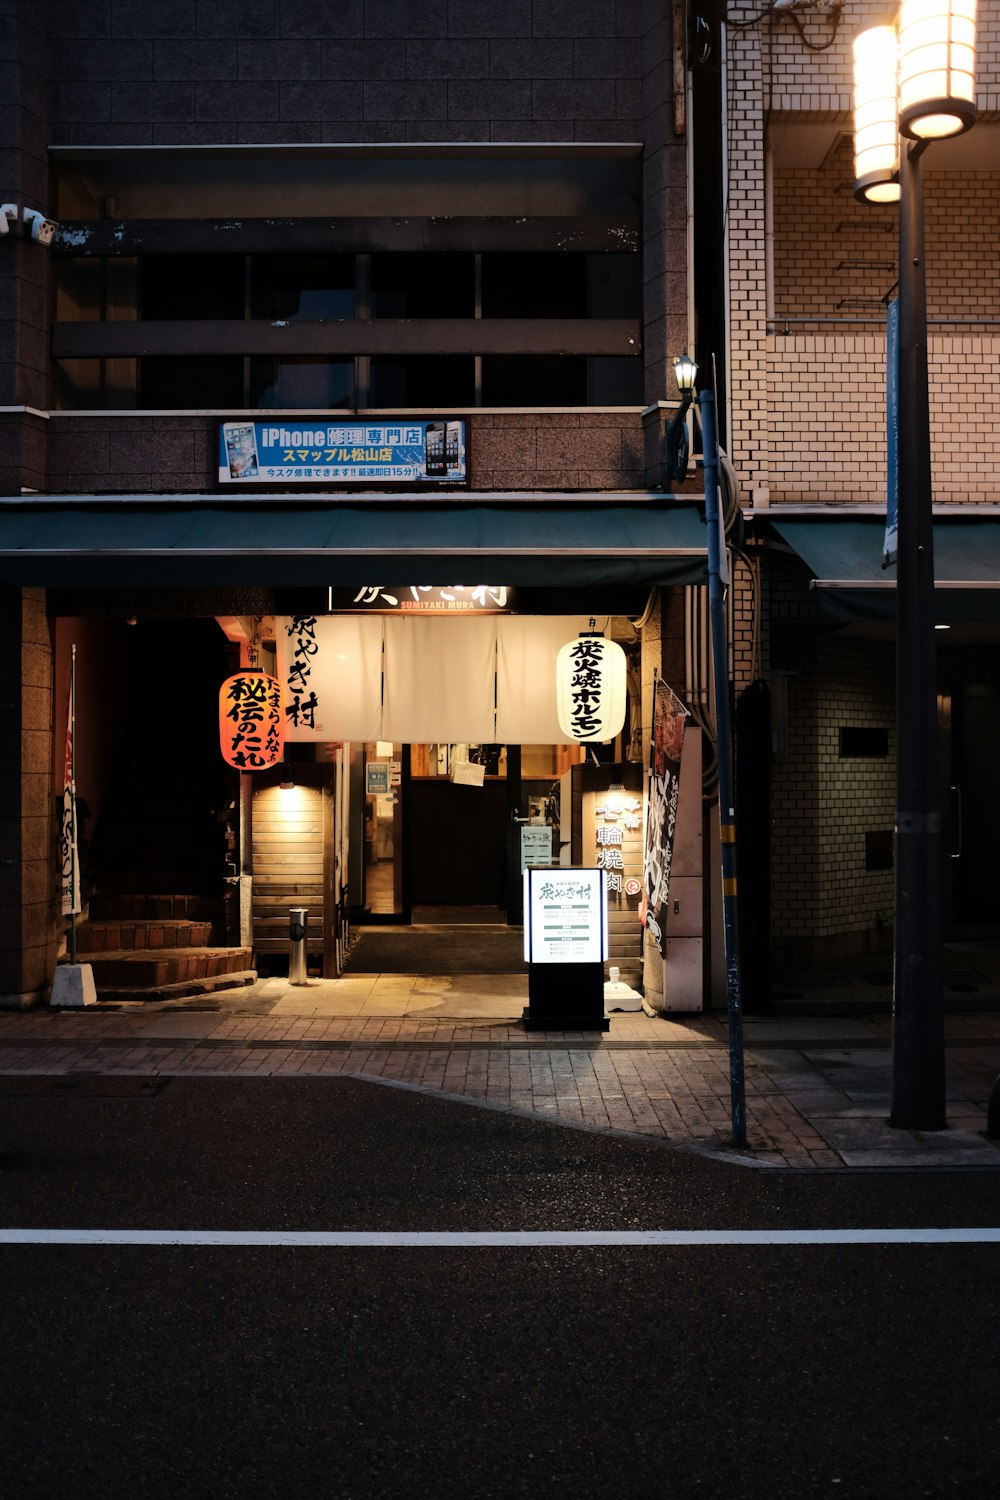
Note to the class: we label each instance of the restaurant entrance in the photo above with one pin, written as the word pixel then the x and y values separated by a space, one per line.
pixel 442 827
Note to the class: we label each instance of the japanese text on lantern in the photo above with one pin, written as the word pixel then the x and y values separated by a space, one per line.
pixel 301 701
pixel 250 728
pixel 586 688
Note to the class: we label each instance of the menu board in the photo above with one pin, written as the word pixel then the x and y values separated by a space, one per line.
pixel 565 916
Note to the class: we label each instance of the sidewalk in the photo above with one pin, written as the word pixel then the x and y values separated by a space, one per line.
pixel 817 1087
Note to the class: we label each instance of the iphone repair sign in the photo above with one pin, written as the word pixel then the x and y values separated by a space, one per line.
pixel 307 451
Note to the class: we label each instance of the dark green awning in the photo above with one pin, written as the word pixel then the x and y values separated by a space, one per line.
pixel 846 558
pixel 289 541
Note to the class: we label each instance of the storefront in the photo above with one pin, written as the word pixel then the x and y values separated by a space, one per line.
pixel 424 736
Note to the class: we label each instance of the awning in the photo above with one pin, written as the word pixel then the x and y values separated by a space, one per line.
pixel 846 558
pixel 290 541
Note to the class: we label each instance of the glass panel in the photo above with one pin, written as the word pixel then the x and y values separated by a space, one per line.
pixel 79 384
pixel 79 289
pixel 614 380
pixel 383 841
pixel 301 382
pixel 182 382
pixel 535 380
pixel 302 286
pixel 424 381
pixel 191 286
pixel 548 285
pixel 438 760
pixel 423 286
pixel 534 286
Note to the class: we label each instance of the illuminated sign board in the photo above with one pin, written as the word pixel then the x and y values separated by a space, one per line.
pixel 536 845
pixel 423 598
pixel 565 916
pixel 304 450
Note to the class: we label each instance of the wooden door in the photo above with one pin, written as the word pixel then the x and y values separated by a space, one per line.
pixel 294 859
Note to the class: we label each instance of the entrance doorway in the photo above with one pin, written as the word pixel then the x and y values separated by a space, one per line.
pixel 441 828
pixel 969 719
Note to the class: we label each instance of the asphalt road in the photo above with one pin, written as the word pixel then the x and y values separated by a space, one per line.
pixel 488 1372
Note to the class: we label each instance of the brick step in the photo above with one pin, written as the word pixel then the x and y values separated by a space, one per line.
pixel 109 906
pixel 111 936
pixel 125 970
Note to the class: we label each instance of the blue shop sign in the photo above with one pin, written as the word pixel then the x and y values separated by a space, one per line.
pixel 307 451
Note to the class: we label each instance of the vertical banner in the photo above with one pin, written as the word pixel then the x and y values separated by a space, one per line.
pixel 330 672
pixel 69 858
pixel 666 744
pixel 891 432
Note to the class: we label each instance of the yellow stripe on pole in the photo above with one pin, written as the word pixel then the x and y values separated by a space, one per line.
pixel 728 832
pixel 729 886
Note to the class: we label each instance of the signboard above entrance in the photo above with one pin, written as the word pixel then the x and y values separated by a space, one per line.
pixel 424 598
pixel 307 451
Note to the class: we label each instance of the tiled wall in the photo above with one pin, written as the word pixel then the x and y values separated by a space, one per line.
pixel 808 403
pixel 824 804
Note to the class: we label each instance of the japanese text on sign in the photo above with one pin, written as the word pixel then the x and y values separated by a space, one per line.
pixel 262 453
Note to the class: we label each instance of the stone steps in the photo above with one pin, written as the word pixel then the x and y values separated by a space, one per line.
pixel 134 971
pixel 109 906
pixel 113 935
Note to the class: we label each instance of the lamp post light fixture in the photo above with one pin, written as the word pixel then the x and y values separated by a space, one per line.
pixel 677 447
pixel 918 80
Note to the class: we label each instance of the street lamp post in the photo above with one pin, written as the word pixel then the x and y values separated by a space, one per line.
pixel 685 373
pixel 918 80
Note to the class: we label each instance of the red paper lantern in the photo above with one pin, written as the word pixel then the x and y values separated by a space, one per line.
pixel 251 732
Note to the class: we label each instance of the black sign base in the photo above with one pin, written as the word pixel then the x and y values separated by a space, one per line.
pixel 565 997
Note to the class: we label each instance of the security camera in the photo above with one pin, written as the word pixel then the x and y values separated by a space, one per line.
pixel 8 216
pixel 39 227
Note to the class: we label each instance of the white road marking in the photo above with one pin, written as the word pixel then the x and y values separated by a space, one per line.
pixel 514 1239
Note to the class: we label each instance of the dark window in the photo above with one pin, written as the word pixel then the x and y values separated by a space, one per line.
pixel 302 286
pixel 534 286
pixel 425 380
pixel 861 741
pixel 539 285
pixel 423 286
pixel 191 286
pixel 878 849
pixel 614 380
pixel 614 286
pixel 171 381
pixel 301 382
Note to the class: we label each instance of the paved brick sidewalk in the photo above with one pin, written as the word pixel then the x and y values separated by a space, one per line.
pixel 817 1088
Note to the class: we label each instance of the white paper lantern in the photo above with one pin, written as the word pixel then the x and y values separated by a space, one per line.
pixel 591 691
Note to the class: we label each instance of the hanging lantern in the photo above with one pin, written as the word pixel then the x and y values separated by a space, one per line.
pixel 590 688
pixel 251 733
